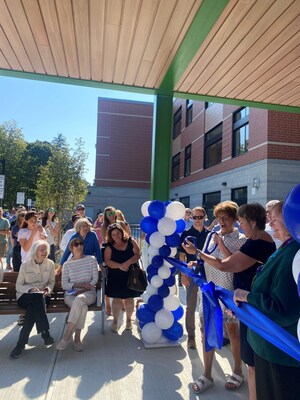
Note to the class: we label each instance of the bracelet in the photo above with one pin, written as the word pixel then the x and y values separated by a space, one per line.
pixel 198 254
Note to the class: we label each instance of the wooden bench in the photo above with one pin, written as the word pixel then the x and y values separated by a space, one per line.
pixel 9 306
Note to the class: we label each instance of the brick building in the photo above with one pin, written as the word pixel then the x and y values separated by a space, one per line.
pixel 219 152
pixel 225 152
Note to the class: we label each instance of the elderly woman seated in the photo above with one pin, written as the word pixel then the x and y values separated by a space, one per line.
pixel 79 277
pixel 34 284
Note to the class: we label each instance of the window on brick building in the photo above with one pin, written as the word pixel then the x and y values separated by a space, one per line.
pixel 239 195
pixel 208 104
pixel 175 168
pixel 240 132
pixel 189 112
pixel 213 147
pixel 185 201
pixel 187 160
pixel 209 201
pixel 177 123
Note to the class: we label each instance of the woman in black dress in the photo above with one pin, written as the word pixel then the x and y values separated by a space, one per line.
pixel 119 254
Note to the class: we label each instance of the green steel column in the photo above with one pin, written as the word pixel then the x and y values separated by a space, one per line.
pixel 161 146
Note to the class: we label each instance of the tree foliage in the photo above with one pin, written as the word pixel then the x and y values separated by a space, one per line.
pixel 49 172
pixel 61 183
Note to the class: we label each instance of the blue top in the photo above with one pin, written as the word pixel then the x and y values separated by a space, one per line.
pixel 90 248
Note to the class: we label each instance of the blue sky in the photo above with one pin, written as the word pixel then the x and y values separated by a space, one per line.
pixel 42 110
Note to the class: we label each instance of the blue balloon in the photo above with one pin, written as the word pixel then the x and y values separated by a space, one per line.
pixel 291 214
pixel 173 240
pixel 173 270
pixel 170 281
pixel 145 314
pixel 148 225
pixel 157 261
pixel 155 302
pixel 156 209
pixel 141 325
pixel 150 276
pixel 174 333
pixel 180 225
pixel 167 203
pixel 164 251
pixel 147 238
pixel 163 291
pixel 151 270
pixel 178 313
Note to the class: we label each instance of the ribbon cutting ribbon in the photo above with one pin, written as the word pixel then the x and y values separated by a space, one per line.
pixel 249 315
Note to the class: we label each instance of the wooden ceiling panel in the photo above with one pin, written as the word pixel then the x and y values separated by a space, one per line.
pixel 219 35
pixel 97 14
pixel 66 26
pixel 144 25
pixel 9 59
pixel 273 39
pixel 3 63
pixel 20 20
pixel 49 15
pixel 13 37
pixel 177 26
pixel 82 36
pixel 34 17
pixel 130 15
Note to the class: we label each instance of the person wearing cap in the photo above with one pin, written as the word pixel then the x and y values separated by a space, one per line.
pixel 70 232
pixel 80 210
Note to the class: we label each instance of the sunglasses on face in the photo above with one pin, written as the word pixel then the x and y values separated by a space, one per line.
pixel 110 213
pixel 76 244
pixel 198 216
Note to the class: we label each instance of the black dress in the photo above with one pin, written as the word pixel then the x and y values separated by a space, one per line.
pixel 259 250
pixel 117 279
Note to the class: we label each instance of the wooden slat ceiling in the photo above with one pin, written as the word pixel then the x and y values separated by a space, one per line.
pixel 250 53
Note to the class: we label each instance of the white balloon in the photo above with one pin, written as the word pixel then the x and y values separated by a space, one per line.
pixel 164 272
pixel 175 210
pixel 157 240
pixel 173 289
pixel 151 333
pixel 296 266
pixel 151 290
pixel 167 264
pixel 144 208
pixel 166 226
pixel 298 330
pixel 156 281
pixel 152 251
pixel 145 296
pixel 173 251
pixel 164 319
pixel 163 339
pixel 171 302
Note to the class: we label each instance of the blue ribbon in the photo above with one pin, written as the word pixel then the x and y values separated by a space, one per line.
pixel 249 315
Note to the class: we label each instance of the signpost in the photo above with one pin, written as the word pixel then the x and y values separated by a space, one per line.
pixel 2 183
pixel 20 197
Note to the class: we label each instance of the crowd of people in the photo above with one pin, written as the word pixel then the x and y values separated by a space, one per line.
pixel 236 251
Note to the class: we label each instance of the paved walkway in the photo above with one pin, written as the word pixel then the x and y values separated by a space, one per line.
pixel 112 366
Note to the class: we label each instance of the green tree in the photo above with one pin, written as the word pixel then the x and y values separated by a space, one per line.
pixel 60 182
pixel 12 150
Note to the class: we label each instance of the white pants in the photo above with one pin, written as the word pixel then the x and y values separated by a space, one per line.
pixel 79 307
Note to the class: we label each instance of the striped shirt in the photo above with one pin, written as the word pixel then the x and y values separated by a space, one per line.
pixel 83 270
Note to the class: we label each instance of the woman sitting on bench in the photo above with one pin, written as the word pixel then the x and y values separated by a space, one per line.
pixel 34 284
pixel 79 277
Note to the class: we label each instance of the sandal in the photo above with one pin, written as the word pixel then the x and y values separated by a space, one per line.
pixel 21 320
pixel 234 381
pixel 202 384
pixel 128 325
pixel 62 344
pixel 114 327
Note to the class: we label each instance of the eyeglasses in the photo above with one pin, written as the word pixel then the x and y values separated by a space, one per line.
pixel 76 244
pixel 188 212
pixel 223 219
pixel 80 209
pixel 110 213
pixel 198 216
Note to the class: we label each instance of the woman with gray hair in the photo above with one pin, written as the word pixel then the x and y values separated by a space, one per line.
pixel 34 285
pixel 79 277
pixel 91 245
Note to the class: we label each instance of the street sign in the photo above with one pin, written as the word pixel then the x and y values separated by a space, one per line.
pixel 29 201
pixel 20 197
pixel 2 183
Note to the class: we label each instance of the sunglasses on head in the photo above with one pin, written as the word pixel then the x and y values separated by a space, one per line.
pixel 76 244
pixel 198 216
pixel 110 213
pixel 51 209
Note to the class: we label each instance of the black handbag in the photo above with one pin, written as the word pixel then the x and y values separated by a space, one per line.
pixel 137 279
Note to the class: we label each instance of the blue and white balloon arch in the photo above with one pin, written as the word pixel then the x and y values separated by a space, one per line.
pixel 159 315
